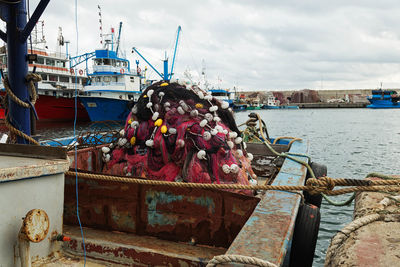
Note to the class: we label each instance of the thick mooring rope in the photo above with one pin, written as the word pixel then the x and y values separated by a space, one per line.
pixel 313 186
pixel 239 259
pixel 31 79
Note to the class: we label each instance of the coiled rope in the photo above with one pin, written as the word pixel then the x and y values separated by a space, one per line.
pixel 31 78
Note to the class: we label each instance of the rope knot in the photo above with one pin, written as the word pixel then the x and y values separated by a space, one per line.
pixel 34 77
pixel 321 185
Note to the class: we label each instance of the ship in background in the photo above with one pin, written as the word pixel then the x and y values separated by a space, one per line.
pixel 384 99
pixel 57 88
pixel 112 87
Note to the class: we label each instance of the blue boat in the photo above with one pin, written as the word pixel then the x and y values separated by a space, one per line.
pixel 384 99
pixel 112 87
pixel 222 95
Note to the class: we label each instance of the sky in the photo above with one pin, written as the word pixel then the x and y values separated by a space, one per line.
pixel 248 44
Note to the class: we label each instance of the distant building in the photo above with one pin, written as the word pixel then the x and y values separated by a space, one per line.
pixel 305 96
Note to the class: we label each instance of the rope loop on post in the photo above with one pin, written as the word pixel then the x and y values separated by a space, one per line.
pixel 31 78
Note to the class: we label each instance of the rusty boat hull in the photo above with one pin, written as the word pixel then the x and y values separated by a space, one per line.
pixel 135 225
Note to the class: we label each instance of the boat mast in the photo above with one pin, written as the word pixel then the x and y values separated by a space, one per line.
pixel 101 25
pixel 13 12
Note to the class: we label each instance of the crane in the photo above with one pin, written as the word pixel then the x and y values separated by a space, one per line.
pixel 166 76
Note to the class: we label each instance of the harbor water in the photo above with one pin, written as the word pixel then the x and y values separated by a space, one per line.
pixel 351 142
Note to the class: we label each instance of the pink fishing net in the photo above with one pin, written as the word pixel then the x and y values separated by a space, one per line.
pixel 179 134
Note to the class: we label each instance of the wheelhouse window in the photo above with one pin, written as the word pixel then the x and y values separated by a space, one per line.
pixel 44 77
pixel 50 62
pixel 53 78
pixel 40 61
pixel 64 79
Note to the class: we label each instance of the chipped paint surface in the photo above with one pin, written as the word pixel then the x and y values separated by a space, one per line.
pixel 15 168
pixel 209 217
pixel 268 231
pixel 154 198
pixel 133 250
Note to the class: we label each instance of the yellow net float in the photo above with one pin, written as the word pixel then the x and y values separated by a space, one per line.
pixel 158 123
pixel 199 105
pixel 164 129
pixel 164 84
pixel 133 140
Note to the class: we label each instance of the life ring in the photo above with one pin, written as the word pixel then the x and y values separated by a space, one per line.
pixel 122 71
pixel 71 71
pixel 80 72
pixel 138 70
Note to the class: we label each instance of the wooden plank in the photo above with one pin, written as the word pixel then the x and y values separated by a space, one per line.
pixel 268 231
pixel 261 149
pixel 33 151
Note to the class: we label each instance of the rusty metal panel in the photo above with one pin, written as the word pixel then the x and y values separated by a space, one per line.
pixel 210 217
pixel 88 159
pixel 102 204
pixel 268 231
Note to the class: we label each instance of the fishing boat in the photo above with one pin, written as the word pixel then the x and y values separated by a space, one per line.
pixel 222 95
pixel 126 223
pixel 384 99
pixel 124 220
pixel 58 83
pixel 112 86
pixel 273 103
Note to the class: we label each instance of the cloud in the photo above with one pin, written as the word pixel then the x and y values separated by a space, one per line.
pixel 252 44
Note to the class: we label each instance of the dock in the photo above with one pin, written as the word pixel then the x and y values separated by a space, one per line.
pixel 376 238
pixel 331 105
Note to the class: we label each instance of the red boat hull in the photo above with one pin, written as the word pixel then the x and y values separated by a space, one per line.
pixel 50 108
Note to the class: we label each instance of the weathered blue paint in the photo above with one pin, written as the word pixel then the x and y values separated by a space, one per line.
pixel 268 231
pixel 156 197
pixel 153 198
pixel 205 202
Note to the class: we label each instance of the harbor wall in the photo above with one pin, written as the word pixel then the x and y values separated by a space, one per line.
pixel 309 96
pixel 375 244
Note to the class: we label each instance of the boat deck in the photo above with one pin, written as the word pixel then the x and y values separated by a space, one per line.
pixel 130 249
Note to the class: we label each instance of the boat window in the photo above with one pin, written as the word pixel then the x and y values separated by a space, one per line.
pixel 130 97
pixel 40 60
pixel 98 79
pixel 53 78
pixel 50 62
pixel 113 62
pixel 118 63
pixel 65 94
pixel 107 79
pixel 46 92
pixel 106 61
pixel 85 81
pixel 44 77
pixel 125 64
pixel 64 79
pixel 132 79
pixel 115 79
pixel 59 63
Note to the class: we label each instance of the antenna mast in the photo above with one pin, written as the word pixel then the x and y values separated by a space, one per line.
pixel 101 25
